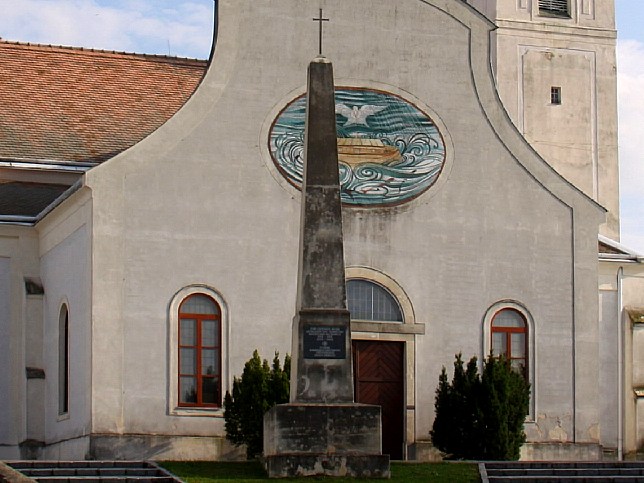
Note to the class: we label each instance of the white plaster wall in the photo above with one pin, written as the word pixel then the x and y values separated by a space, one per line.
pixel 609 376
pixel 634 286
pixel 9 402
pixel 632 357
pixel 633 294
pixel 65 254
pixel 486 7
pixel 198 202
pixel 18 259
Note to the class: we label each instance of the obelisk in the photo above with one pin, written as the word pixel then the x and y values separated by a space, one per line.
pixel 322 326
pixel 322 431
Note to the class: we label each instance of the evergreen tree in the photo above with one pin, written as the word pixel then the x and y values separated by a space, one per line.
pixel 481 417
pixel 442 436
pixel 279 381
pixel 508 397
pixel 259 388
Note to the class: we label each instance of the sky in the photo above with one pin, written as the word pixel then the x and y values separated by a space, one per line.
pixel 630 92
pixel 184 28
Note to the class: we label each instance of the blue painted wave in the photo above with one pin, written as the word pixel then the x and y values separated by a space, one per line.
pixel 396 123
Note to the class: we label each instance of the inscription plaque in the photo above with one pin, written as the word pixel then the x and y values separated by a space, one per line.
pixel 325 342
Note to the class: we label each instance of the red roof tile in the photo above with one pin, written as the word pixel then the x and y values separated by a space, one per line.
pixel 72 104
pixel 605 248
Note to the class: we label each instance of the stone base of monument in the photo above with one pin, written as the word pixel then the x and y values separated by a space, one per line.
pixel 298 465
pixel 324 439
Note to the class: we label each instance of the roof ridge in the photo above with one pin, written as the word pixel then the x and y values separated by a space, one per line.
pixel 90 50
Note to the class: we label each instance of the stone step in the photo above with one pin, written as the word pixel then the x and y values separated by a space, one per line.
pixel 563 479
pixel 568 464
pixel 79 464
pixel 543 471
pixel 93 471
pixel 566 472
pixel 39 472
pixel 106 479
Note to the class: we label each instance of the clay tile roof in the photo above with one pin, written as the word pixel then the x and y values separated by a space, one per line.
pixel 73 104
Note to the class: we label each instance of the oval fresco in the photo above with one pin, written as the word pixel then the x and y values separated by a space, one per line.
pixel 389 151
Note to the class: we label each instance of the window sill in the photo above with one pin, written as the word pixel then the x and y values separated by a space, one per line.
pixel 562 16
pixel 198 412
pixel 63 417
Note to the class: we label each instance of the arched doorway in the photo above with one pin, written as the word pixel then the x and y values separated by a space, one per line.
pixel 379 366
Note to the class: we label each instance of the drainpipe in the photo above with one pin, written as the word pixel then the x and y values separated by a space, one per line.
pixel 620 368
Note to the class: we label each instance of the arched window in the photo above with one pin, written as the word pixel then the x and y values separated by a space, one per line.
pixel 509 332
pixel 199 352
pixel 63 361
pixel 367 300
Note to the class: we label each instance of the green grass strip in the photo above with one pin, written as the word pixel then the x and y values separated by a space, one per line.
pixel 252 471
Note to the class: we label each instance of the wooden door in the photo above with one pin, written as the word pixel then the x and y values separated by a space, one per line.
pixel 379 379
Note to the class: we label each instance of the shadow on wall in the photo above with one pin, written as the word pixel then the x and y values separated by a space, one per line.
pixel 151 447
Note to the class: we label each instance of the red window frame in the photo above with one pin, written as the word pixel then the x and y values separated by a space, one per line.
pixel 199 348
pixel 508 331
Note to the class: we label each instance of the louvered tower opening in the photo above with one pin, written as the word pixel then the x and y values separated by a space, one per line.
pixel 558 8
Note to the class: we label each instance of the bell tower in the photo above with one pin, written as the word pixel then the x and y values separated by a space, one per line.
pixel 555 68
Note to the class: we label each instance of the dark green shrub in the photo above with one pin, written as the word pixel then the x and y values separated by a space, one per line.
pixel 505 400
pixel 481 416
pixel 259 389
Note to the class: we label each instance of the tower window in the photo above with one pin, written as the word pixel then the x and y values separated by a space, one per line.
pixel 556 8
pixel 555 95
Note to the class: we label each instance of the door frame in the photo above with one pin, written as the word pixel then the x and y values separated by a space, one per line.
pixel 403 380
pixel 406 332
pixel 409 363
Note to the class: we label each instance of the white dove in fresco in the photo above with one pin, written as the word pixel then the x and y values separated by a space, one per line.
pixel 355 115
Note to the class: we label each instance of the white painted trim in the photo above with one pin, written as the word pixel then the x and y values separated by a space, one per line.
pixel 46 165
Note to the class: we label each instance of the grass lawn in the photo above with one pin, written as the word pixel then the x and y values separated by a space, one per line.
pixel 251 472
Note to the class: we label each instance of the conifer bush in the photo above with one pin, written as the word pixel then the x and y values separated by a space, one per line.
pixel 258 389
pixel 480 416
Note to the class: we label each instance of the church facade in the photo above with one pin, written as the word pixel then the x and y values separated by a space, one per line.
pixel 474 190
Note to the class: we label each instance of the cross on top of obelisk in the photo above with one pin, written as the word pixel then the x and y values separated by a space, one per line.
pixel 320 19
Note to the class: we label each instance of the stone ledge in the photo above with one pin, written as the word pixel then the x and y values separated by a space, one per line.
pixel 553 451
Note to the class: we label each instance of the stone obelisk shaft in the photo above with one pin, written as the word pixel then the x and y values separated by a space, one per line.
pixel 321 282
pixel 321 332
